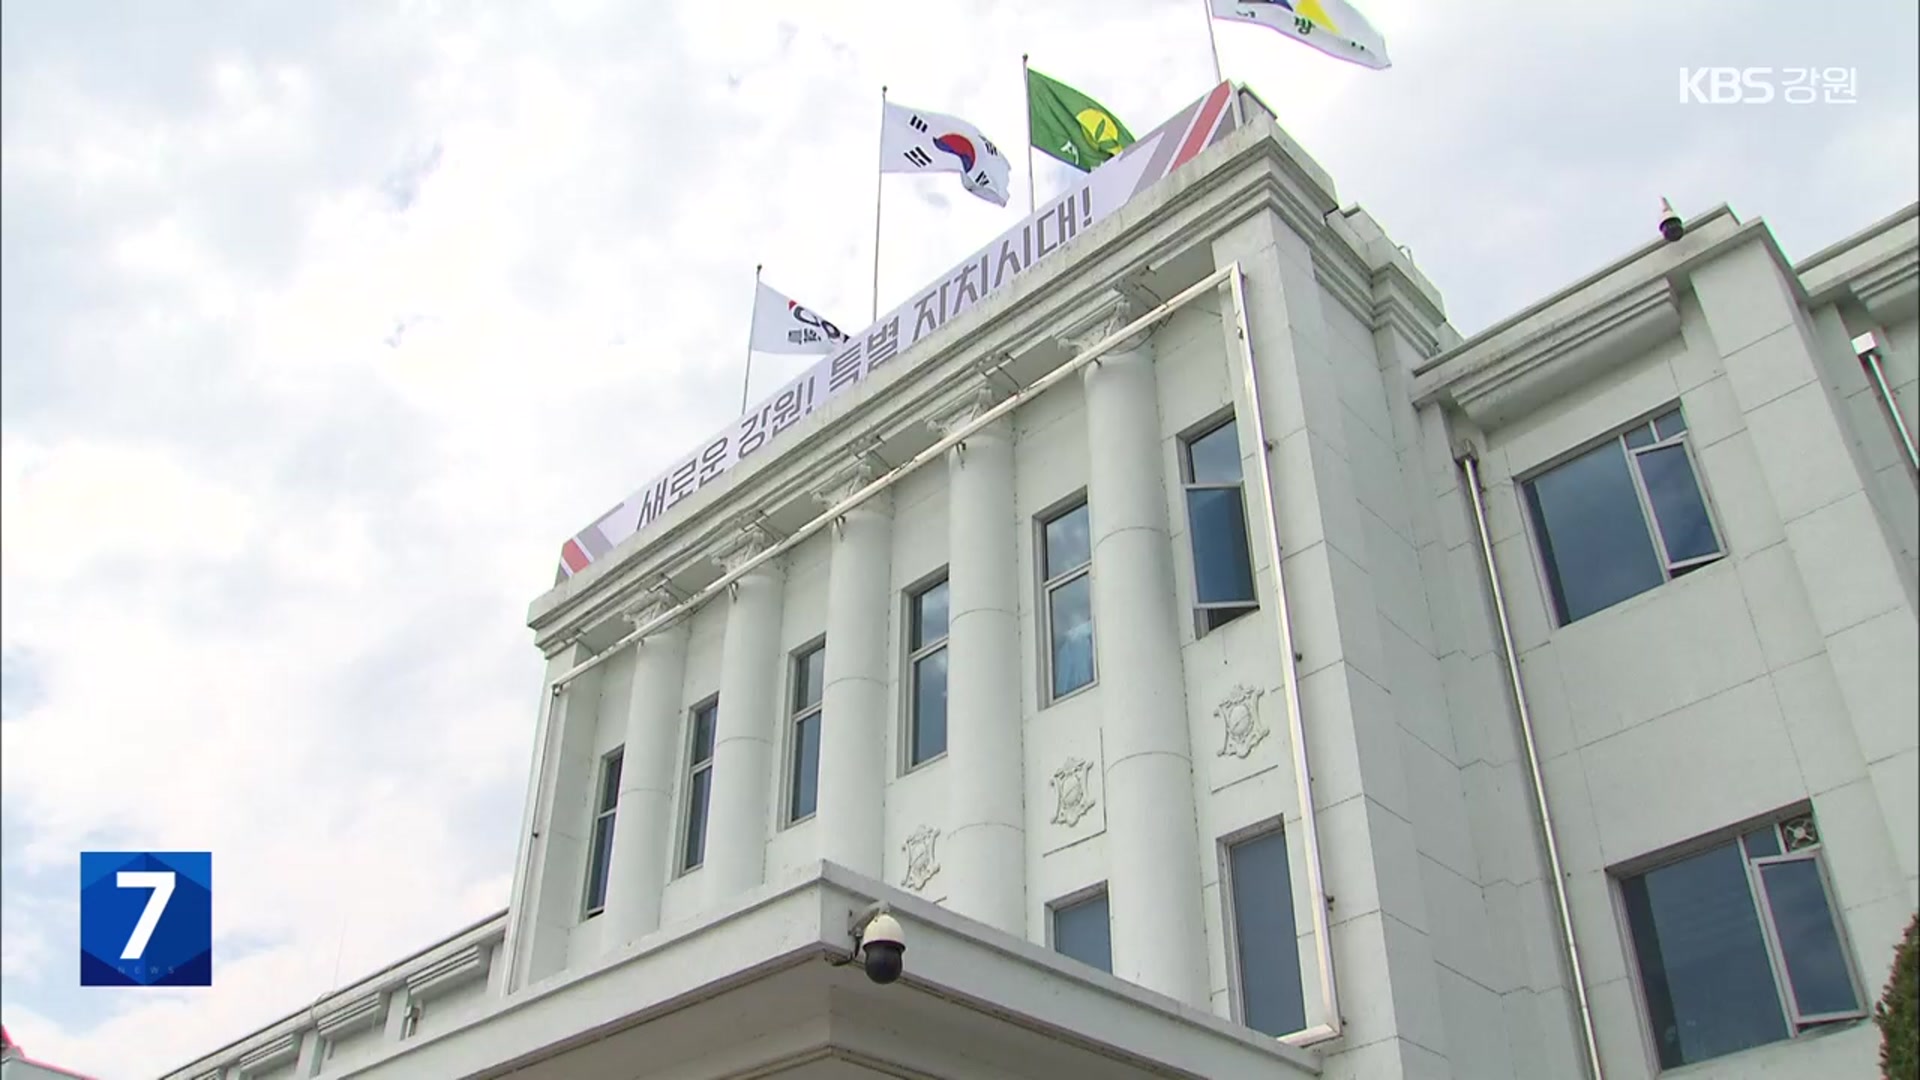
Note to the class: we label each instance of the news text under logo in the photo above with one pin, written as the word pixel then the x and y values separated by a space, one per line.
pixel 1765 85
pixel 146 918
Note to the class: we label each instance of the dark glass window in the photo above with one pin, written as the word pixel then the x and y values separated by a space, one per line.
pixel 1622 518
pixel 1083 931
pixel 699 782
pixel 803 786
pixel 1217 525
pixel 1271 998
pixel 927 673
pixel 1066 562
pixel 1738 946
pixel 600 849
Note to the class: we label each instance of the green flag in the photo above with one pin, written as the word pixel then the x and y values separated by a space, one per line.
pixel 1071 126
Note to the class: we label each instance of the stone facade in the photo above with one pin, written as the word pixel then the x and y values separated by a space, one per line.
pixel 1772 679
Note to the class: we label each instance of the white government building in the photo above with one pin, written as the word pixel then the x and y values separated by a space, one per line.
pixel 1218 668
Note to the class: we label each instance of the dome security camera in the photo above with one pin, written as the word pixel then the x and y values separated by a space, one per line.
pixel 882 945
pixel 1670 225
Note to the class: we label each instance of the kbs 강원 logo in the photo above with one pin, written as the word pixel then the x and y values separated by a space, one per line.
pixel 146 918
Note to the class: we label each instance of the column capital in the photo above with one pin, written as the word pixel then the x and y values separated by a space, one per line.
pixel 844 481
pixel 644 607
pixel 1116 310
pixel 742 543
pixel 965 410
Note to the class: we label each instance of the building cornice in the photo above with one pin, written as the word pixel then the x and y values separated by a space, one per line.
pixel 1891 223
pixel 1509 369
pixel 1705 235
pixel 450 971
pixel 1565 354
pixel 355 1014
pixel 1877 268
pixel 278 1051
pixel 1888 289
pixel 347 1007
pixel 1247 173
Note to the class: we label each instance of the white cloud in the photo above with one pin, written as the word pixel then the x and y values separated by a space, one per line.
pixel 323 328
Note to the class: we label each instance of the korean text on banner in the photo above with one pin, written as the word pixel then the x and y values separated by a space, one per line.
pixel 869 352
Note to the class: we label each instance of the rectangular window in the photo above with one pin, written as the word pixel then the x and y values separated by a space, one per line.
pixel 1621 518
pixel 1266 953
pixel 927 673
pixel 1082 930
pixel 600 850
pixel 1217 525
pixel 700 725
pixel 803 782
pixel 1739 945
pixel 1066 600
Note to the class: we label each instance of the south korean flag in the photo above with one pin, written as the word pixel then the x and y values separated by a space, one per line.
pixel 918 141
pixel 782 325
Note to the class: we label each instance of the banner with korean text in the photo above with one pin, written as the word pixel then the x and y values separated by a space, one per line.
pixel 867 353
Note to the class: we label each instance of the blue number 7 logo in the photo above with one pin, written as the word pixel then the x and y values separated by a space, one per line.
pixel 146 918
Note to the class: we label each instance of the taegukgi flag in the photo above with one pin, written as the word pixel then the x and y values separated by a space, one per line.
pixel 918 141
pixel 1332 26
pixel 783 325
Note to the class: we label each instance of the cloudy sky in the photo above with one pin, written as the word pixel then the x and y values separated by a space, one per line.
pixel 325 324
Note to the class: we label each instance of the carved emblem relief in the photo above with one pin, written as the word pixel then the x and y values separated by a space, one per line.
pixel 922 862
pixel 1242 728
pixel 1072 794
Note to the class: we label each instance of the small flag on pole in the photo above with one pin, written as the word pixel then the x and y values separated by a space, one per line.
pixel 1332 26
pixel 783 325
pixel 918 141
pixel 1070 126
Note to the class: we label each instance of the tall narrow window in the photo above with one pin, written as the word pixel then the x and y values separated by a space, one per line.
pixel 803 783
pixel 600 851
pixel 1622 518
pixel 1267 958
pixel 699 782
pixel 927 673
pixel 1083 930
pixel 1217 525
pixel 1066 562
pixel 1739 945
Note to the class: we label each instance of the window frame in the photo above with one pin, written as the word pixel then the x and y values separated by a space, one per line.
pixel 1671 569
pixel 689 769
pixel 795 716
pixel 1230 922
pixel 1047 586
pixel 1096 891
pixel 1798 1026
pixel 606 809
pixel 1208 617
pixel 910 673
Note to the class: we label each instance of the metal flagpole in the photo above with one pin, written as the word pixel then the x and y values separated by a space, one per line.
pixel 1026 83
pixel 878 186
pixel 1206 8
pixel 752 325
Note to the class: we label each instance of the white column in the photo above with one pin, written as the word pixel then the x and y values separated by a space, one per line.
pixel 554 849
pixel 743 749
pixel 853 754
pixel 985 852
pixel 1153 855
pixel 643 822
